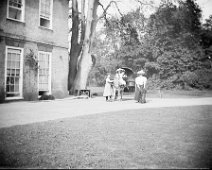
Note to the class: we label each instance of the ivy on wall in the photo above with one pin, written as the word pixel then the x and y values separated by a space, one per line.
pixel 32 61
pixel 31 76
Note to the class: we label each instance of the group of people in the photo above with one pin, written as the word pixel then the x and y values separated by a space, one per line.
pixel 114 88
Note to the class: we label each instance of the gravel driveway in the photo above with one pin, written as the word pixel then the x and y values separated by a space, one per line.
pixel 18 113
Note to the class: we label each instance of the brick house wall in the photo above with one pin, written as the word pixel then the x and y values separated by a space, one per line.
pixel 30 36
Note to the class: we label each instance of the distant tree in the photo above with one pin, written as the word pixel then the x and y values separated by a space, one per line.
pixel 206 34
pixel 129 29
pixel 206 43
pixel 82 36
pixel 208 24
pixel 168 45
pixel 173 37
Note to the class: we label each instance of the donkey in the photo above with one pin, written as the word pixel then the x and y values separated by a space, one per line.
pixel 119 85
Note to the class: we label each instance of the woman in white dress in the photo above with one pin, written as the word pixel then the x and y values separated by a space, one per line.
pixel 108 90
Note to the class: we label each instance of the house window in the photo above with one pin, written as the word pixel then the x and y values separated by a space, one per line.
pixel 15 10
pixel 44 78
pixel 46 13
pixel 14 57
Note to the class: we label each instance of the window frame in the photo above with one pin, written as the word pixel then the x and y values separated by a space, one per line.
pixel 21 72
pixel 50 70
pixel 22 9
pixel 51 15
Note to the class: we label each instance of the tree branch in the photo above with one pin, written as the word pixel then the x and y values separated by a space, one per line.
pixel 144 3
pixel 104 15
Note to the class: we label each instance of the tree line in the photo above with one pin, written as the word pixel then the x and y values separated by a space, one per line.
pixel 172 46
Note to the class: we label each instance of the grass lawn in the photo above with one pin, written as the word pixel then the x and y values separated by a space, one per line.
pixel 177 137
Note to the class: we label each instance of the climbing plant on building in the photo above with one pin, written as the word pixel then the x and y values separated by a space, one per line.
pixel 31 61
pixel 31 76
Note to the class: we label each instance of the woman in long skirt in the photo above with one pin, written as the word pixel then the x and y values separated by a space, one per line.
pixel 108 90
pixel 140 87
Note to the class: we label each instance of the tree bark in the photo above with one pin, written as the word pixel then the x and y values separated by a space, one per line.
pixel 85 61
pixel 76 44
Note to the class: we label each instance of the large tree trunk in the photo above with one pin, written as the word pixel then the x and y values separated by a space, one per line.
pixel 85 62
pixel 78 31
pixel 75 48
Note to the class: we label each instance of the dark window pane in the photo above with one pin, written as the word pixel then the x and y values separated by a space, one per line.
pixel 7 88
pixel 44 22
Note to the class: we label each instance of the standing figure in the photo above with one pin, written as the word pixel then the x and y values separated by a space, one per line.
pixel 108 90
pixel 140 87
pixel 119 84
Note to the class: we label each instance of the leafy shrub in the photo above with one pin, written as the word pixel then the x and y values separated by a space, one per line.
pixel 47 97
pixel 189 78
pixel 204 78
pixel 153 82
pixel 167 84
pixel 30 76
pixel 32 61
pixel 178 87
pixel 151 67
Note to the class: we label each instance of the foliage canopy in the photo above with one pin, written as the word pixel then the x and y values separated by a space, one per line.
pixel 171 45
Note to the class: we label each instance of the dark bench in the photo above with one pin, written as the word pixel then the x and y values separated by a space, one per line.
pixel 85 92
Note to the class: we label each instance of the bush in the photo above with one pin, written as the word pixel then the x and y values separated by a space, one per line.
pixel 189 78
pixel 199 79
pixel 204 78
pixel 47 97
pixel 167 84
pixel 153 82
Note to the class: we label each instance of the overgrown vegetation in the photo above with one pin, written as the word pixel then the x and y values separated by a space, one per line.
pixel 32 61
pixel 172 46
pixel 31 76
pixel 47 97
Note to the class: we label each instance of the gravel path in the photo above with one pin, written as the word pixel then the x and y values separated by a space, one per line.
pixel 19 113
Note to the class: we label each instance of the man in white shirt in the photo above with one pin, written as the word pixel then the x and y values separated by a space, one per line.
pixel 140 89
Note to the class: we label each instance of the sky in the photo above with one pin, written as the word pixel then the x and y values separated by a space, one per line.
pixel 206 6
pixel 128 5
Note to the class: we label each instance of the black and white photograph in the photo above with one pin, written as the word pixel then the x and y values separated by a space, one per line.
pixel 105 84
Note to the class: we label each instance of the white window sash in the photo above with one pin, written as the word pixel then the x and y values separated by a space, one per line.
pixel 45 18
pixel 21 73
pixel 22 9
pixel 49 18
pixel 21 4
pixel 49 69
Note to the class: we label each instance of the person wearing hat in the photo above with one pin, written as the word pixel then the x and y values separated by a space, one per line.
pixel 121 74
pixel 119 84
pixel 120 70
pixel 108 90
pixel 140 87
